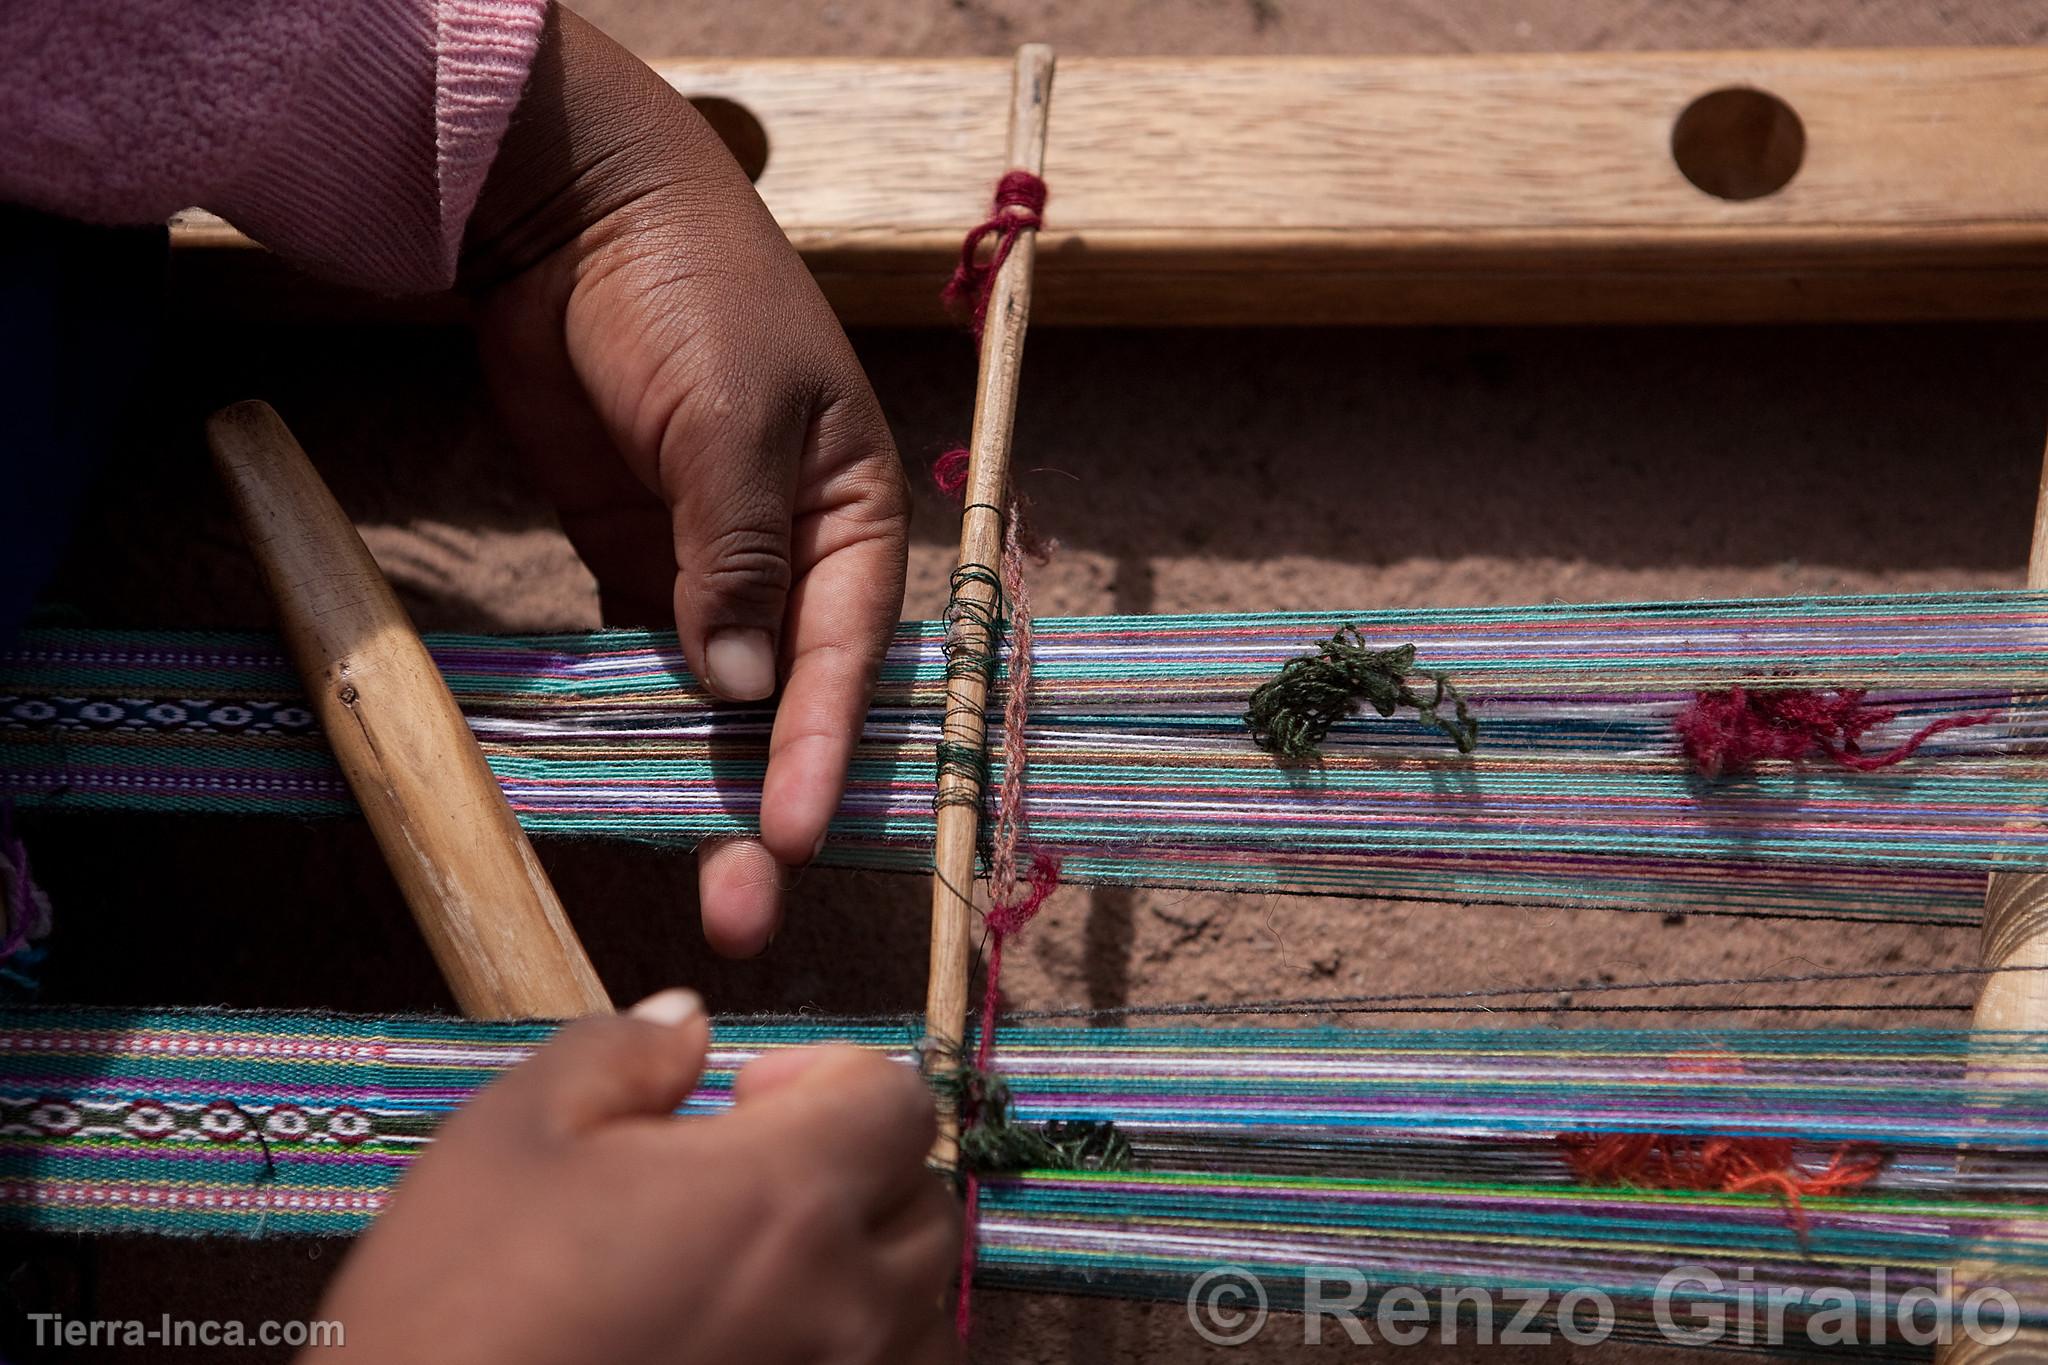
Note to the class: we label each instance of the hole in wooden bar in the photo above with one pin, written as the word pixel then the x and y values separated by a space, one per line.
pixel 1738 143
pixel 738 129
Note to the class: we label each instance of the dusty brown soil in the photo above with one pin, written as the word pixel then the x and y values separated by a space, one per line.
pixel 1179 471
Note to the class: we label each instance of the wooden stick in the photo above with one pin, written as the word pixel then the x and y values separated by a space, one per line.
pixel 981 538
pixel 2015 932
pixel 480 896
pixel 2015 935
pixel 1476 189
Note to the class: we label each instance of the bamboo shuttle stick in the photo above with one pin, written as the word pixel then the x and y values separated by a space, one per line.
pixel 481 898
pixel 986 493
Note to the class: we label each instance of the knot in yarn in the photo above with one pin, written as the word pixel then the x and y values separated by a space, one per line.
pixel 1006 918
pixel 1021 192
pixel 1018 207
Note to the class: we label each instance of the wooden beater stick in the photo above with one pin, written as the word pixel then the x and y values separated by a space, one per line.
pixel 2015 935
pixel 479 894
pixel 981 539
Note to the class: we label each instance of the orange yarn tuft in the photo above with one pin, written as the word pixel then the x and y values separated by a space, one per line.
pixel 1752 1165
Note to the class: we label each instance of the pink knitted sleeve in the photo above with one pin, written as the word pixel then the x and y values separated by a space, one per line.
pixel 351 136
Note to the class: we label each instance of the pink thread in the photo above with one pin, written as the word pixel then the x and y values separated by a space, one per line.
pixel 1019 208
pixel 1012 903
pixel 949 472
pixel 963 1313
pixel 1729 732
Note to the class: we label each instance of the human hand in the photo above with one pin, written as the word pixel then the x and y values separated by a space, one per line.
pixel 564 1215
pixel 692 406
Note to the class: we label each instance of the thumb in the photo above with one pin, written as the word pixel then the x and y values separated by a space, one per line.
pixel 730 510
pixel 639 1065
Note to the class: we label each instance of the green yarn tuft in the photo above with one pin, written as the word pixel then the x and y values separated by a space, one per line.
pixel 993 1142
pixel 1293 713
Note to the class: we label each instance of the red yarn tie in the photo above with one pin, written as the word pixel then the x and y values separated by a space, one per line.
pixel 1019 207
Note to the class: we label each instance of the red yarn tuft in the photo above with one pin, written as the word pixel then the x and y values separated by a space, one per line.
pixel 1019 207
pixel 1668 1161
pixel 949 472
pixel 1728 733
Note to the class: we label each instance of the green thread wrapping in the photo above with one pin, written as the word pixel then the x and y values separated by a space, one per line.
pixel 968 761
pixel 993 1142
pixel 965 658
pixel 1293 713
pixel 968 658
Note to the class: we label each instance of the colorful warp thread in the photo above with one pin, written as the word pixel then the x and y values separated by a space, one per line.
pixel 1143 773
pixel 1019 207
pixel 1727 733
pixel 1426 1158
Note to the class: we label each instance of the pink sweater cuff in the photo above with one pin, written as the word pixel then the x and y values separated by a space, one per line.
pixel 351 136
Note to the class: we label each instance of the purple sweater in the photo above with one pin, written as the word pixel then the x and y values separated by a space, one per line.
pixel 351 136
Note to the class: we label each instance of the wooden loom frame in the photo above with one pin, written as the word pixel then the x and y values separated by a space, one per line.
pixel 1482 189
pixel 1444 190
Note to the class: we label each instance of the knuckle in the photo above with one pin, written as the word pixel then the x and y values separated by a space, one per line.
pixel 748 564
pixel 879 492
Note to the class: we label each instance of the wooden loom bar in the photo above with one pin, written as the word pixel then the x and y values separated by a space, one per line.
pixel 986 495
pixel 480 896
pixel 2016 903
pixel 2015 935
pixel 1481 189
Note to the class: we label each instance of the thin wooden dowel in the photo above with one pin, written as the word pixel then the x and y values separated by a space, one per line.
pixel 481 898
pixel 981 537
pixel 2016 903
pixel 2015 935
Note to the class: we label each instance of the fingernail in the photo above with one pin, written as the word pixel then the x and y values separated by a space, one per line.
pixel 670 1007
pixel 741 662
pixel 818 847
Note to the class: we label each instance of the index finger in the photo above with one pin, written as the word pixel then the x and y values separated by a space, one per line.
pixel 847 551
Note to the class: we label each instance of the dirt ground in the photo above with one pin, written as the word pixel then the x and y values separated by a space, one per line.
pixel 1180 471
